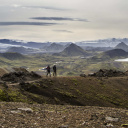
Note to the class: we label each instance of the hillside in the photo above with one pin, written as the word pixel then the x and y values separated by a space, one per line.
pixel 89 91
pixel 73 50
pixel 63 102
pixel 12 56
pixel 116 53
pixel 21 50
pixel 122 46
pixel 109 55
pixel 96 49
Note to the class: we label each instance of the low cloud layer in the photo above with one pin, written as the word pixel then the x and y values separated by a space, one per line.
pixel 59 19
pixel 27 23
pixel 8 45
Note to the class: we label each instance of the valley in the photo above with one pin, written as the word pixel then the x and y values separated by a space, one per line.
pixel 66 66
pixel 70 59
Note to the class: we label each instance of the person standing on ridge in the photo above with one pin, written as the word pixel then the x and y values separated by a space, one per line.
pixel 54 70
pixel 48 71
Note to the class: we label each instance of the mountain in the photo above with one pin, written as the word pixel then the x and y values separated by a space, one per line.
pixel 22 50
pixel 55 48
pixel 111 54
pixel 96 49
pixel 12 55
pixel 73 50
pixel 122 46
pixel 116 53
pixel 36 44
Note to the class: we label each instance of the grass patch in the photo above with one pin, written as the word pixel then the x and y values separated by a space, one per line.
pixel 11 96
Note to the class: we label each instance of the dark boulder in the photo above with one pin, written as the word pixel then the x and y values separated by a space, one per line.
pixel 20 76
pixel 108 73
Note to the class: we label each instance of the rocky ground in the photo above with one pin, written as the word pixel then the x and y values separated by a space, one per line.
pixel 109 73
pixel 21 115
pixel 30 115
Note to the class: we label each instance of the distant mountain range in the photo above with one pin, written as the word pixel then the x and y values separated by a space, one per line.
pixel 66 48
pixel 27 44
pixel 112 42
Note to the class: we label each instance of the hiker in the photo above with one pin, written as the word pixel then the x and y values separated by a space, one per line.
pixel 48 71
pixel 54 70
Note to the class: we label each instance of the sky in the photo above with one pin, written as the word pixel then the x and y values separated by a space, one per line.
pixel 63 21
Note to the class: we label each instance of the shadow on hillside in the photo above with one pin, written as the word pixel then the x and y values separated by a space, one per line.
pixel 52 96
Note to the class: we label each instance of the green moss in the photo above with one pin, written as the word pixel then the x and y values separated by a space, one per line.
pixel 13 96
pixel 67 94
pixel 103 85
pixel 112 99
pixel 3 95
pixel 124 125
pixel 103 97
pixel 78 91
pixel 75 81
pixel 56 99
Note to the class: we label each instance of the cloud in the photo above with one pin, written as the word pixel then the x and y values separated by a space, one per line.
pixel 16 5
pixel 27 23
pixel 63 31
pixel 8 45
pixel 59 19
pixel 42 7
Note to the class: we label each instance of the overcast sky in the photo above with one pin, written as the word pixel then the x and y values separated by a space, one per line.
pixel 63 20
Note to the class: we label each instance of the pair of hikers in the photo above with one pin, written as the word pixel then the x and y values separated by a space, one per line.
pixel 49 70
